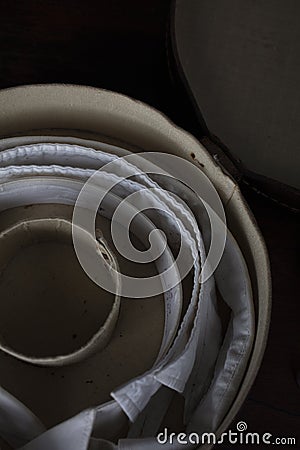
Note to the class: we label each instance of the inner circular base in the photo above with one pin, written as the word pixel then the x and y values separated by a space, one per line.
pixel 48 305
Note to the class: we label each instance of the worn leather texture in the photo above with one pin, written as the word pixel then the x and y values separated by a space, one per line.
pixel 238 62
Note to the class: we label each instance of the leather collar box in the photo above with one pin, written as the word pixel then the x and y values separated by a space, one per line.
pixel 96 369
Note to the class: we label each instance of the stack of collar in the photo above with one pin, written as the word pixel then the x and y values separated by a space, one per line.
pixel 149 352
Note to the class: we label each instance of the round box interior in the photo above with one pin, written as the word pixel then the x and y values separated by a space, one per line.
pixel 108 117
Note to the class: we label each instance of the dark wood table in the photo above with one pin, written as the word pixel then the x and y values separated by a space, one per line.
pixel 120 45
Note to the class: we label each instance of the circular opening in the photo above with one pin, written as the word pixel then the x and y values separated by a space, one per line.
pixel 48 305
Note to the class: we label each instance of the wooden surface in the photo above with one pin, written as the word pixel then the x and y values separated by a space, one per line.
pixel 120 45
